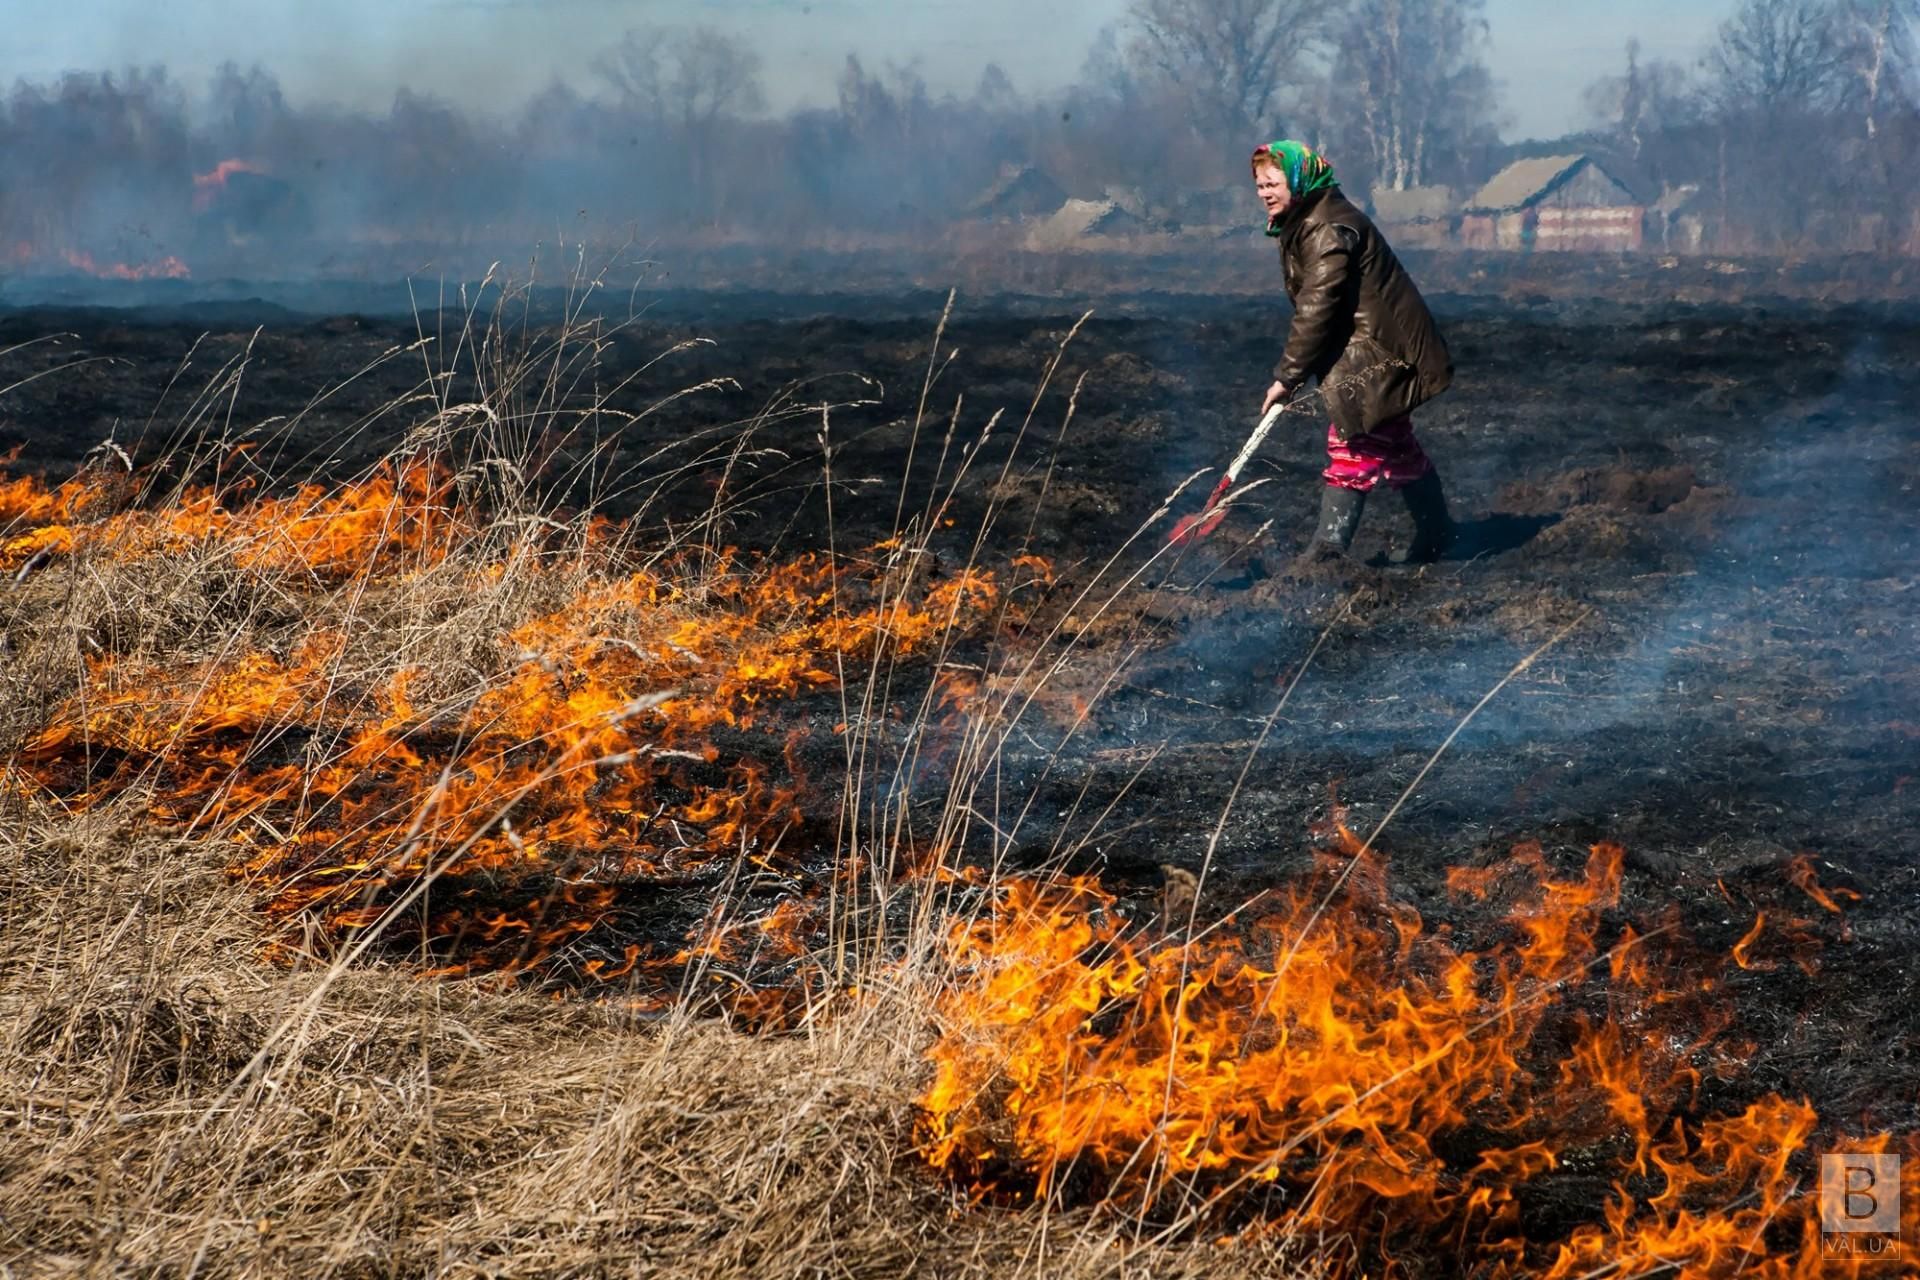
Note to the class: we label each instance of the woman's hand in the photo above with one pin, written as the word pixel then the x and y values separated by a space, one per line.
pixel 1276 394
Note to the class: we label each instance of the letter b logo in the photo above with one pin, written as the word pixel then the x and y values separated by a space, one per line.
pixel 1860 1192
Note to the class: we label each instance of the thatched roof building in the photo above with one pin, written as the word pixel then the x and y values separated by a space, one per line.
pixel 1554 202
pixel 1077 219
pixel 1021 191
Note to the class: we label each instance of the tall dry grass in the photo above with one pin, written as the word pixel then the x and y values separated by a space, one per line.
pixel 171 1104
pixel 411 1128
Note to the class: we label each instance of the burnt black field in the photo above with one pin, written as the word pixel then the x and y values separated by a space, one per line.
pixel 1717 497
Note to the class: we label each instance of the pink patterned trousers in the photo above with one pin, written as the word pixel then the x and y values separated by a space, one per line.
pixel 1388 452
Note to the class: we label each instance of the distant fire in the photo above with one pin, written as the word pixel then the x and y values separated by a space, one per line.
pixel 1338 1071
pixel 208 186
pixel 167 268
pixel 22 255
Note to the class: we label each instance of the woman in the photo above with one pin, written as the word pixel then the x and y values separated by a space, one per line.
pixel 1361 328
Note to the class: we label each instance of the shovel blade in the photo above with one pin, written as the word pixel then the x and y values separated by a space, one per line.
pixel 1204 521
pixel 1195 527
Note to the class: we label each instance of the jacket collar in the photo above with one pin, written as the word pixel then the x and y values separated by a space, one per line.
pixel 1296 212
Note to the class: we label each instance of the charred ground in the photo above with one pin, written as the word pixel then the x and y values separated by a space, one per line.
pixel 1723 490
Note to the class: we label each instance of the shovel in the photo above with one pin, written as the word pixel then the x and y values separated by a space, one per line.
pixel 1203 522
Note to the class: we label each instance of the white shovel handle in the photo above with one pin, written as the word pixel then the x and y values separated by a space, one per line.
pixel 1253 442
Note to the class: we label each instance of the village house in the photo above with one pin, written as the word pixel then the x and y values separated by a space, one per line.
pixel 1020 191
pixel 1554 202
pixel 1076 220
pixel 1416 218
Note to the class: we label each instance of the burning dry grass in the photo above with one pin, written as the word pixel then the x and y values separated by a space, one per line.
pixel 1339 1063
pixel 369 691
pixel 282 764
pixel 253 739
pixel 402 1128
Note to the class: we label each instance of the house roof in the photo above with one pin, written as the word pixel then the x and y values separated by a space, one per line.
pixel 1087 217
pixel 1524 181
pixel 1132 199
pixel 1020 188
pixel 1078 218
pixel 1416 204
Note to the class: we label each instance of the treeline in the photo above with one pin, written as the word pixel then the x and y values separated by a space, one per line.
pixel 1795 131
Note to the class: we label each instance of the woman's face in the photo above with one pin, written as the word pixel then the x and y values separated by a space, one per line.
pixel 1272 186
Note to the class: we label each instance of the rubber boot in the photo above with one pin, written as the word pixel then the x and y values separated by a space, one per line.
pixel 1433 530
pixel 1340 510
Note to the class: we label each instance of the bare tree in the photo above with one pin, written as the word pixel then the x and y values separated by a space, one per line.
pixel 1781 57
pixel 1409 75
pixel 1123 123
pixel 686 85
pixel 246 103
pixel 692 77
pixel 995 92
pixel 1645 99
pixel 1884 56
pixel 1777 77
pixel 1229 61
pixel 890 107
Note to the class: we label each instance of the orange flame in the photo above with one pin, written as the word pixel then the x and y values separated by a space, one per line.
pixel 167 268
pixel 26 254
pixel 361 528
pixel 1337 1072
pixel 583 763
pixel 208 186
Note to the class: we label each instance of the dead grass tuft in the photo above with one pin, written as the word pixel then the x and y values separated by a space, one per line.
pixel 444 1129
pixel 172 1104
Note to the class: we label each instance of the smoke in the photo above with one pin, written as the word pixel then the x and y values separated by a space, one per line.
pixel 453 135
pixel 126 167
pixel 486 56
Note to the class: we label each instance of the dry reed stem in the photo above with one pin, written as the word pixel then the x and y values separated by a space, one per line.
pixel 440 1129
pixel 171 1105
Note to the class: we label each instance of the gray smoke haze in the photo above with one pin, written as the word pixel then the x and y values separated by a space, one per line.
pixel 495 54
pixel 247 142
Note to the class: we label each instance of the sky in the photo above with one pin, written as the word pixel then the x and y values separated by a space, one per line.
pixel 494 53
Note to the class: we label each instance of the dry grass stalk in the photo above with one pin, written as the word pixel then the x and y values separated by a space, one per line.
pixel 171 1105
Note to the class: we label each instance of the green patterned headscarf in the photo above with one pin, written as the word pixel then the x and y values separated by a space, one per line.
pixel 1306 169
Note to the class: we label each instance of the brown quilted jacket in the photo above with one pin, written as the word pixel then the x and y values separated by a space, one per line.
pixel 1359 325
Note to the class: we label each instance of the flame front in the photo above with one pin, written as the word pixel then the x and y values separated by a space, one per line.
pixel 1336 1071
pixel 574 755
pixel 208 186
pixel 24 253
